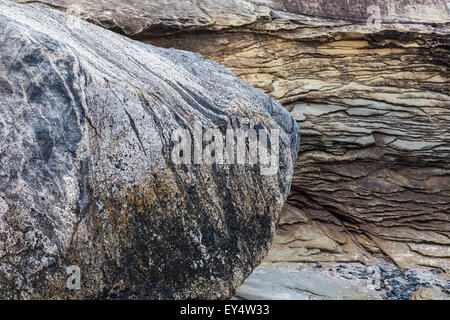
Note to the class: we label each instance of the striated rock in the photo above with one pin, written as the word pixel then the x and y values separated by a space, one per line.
pixel 379 279
pixel 368 83
pixel 310 235
pixel 88 182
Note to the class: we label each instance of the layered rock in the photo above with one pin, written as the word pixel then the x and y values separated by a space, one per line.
pixel 367 81
pixel 88 180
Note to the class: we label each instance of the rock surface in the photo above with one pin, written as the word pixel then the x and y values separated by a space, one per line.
pixel 278 282
pixel 429 294
pixel 368 83
pixel 86 174
pixel 381 280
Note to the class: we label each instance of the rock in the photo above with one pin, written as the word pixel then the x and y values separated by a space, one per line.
pixel 367 80
pixel 429 294
pixel 406 296
pixel 401 281
pixel 92 201
pixel 302 239
pixel 284 282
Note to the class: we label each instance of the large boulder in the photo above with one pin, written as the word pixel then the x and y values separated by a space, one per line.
pixel 368 83
pixel 92 185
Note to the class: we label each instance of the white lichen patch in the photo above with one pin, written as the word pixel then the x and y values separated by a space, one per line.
pixel 3 206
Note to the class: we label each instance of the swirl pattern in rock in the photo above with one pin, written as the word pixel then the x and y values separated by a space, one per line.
pixel 86 173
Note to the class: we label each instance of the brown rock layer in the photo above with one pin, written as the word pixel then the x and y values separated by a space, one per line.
pixel 368 83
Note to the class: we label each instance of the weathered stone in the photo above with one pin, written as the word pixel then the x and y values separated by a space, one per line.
pixel 368 83
pixel 86 173
pixel 304 236
pixel 284 282
pixel 429 294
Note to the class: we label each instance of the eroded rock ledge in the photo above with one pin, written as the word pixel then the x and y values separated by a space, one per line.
pixel 372 100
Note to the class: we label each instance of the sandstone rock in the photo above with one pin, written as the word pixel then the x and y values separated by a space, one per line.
pixel 302 236
pixel 429 294
pixel 367 81
pixel 283 282
pixel 87 179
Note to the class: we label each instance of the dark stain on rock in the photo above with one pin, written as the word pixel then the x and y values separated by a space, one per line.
pixel 5 88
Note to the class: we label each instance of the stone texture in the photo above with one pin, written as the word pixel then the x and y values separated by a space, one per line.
pixel 372 100
pixel 429 294
pixel 379 279
pixel 283 282
pixel 311 235
pixel 86 174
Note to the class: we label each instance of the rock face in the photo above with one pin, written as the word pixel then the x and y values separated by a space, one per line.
pixel 88 182
pixel 343 281
pixel 429 294
pixel 284 282
pixel 368 83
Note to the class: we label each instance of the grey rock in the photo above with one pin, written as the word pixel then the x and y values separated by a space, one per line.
pixel 86 177
pixel 282 282
pixel 430 294
pixel 372 102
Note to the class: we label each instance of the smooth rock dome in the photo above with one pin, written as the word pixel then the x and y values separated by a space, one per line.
pixel 86 174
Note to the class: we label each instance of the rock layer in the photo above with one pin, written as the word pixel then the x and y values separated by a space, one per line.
pixel 290 282
pixel 367 81
pixel 87 179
